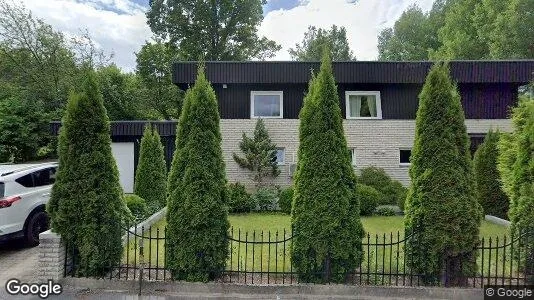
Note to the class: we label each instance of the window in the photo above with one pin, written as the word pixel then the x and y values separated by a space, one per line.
pixel 363 105
pixel 44 177
pixel 25 181
pixel 2 189
pixel 266 104
pixel 404 157
pixel 38 178
pixel 280 156
pixel 353 156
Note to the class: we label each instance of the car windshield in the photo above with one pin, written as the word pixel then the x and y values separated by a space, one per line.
pixel 1 190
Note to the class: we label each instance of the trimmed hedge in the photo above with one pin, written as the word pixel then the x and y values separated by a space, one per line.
pixel 86 206
pixel 239 200
pixel 442 211
pixel 369 198
pixel 137 207
pixel 285 200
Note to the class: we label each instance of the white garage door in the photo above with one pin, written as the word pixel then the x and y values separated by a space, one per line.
pixel 124 156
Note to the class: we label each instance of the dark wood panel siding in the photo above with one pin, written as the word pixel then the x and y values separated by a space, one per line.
pixel 487 101
pixel 399 101
pixel 354 72
pixel 234 101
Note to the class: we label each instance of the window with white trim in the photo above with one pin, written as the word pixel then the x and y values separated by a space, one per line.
pixel 353 156
pixel 280 156
pixel 363 105
pixel 266 104
pixel 404 157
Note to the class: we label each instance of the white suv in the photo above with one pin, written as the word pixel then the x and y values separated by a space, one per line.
pixel 24 191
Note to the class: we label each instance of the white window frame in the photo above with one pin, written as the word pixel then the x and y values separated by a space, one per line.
pixel 283 162
pixel 364 93
pixel 353 156
pixel 267 93
pixel 401 163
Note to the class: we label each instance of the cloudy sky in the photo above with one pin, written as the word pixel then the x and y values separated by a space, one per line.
pixel 119 26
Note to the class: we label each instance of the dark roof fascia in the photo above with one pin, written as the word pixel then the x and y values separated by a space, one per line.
pixel 386 72
pixel 129 128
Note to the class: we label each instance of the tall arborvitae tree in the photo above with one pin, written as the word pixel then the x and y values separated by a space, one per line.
pixel 197 216
pixel 442 212
pixel 327 242
pixel 87 206
pixel 260 155
pixel 151 174
pixel 518 179
pixel 489 190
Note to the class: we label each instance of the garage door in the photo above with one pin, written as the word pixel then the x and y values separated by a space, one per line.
pixel 124 156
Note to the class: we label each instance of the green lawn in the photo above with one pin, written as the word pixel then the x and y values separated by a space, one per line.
pixel 262 257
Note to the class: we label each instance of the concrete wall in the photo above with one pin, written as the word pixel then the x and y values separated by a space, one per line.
pixel 376 143
pixel 51 256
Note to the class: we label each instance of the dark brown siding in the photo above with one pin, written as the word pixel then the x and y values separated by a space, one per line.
pixel 399 101
pixel 354 72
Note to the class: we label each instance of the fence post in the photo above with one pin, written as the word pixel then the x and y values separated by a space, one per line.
pixel 529 257
pixel 141 263
pixel 51 256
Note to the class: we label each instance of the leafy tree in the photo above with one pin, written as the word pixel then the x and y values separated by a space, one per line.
pixel 159 94
pixel 410 38
pixel 513 33
pixel 325 215
pixel 87 206
pixel 442 212
pixel 311 47
pixel 197 216
pixel 489 191
pixel 459 35
pixel 260 155
pixel 151 174
pixel 120 92
pixel 213 30
pixel 36 57
pixel 23 127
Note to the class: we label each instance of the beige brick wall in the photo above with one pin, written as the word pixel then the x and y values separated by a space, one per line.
pixel 376 143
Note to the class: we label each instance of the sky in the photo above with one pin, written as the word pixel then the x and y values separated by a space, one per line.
pixel 119 27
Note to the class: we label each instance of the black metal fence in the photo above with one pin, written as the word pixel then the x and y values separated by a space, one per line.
pixel 264 258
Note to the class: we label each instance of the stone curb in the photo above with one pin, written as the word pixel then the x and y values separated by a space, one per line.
pixel 497 220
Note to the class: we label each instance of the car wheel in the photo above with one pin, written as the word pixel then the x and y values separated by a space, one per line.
pixel 37 223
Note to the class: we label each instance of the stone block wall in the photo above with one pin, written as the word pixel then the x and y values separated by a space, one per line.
pixel 376 143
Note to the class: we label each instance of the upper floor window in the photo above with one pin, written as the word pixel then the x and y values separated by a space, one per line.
pixel 266 104
pixel 363 105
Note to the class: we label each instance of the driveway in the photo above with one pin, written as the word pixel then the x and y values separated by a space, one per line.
pixel 17 261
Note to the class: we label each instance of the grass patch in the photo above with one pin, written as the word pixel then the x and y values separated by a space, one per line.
pixel 276 257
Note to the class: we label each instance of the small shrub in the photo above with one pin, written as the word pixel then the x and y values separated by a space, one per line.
pixel 369 198
pixel 391 191
pixel 265 199
pixel 385 211
pixel 239 200
pixel 137 207
pixel 285 199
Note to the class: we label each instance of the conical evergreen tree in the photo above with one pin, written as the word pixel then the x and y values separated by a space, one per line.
pixel 197 217
pixel 442 212
pixel 151 174
pixel 86 205
pixel 325 217
pixel 517 173
pixel 260 155
pixel 489 191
